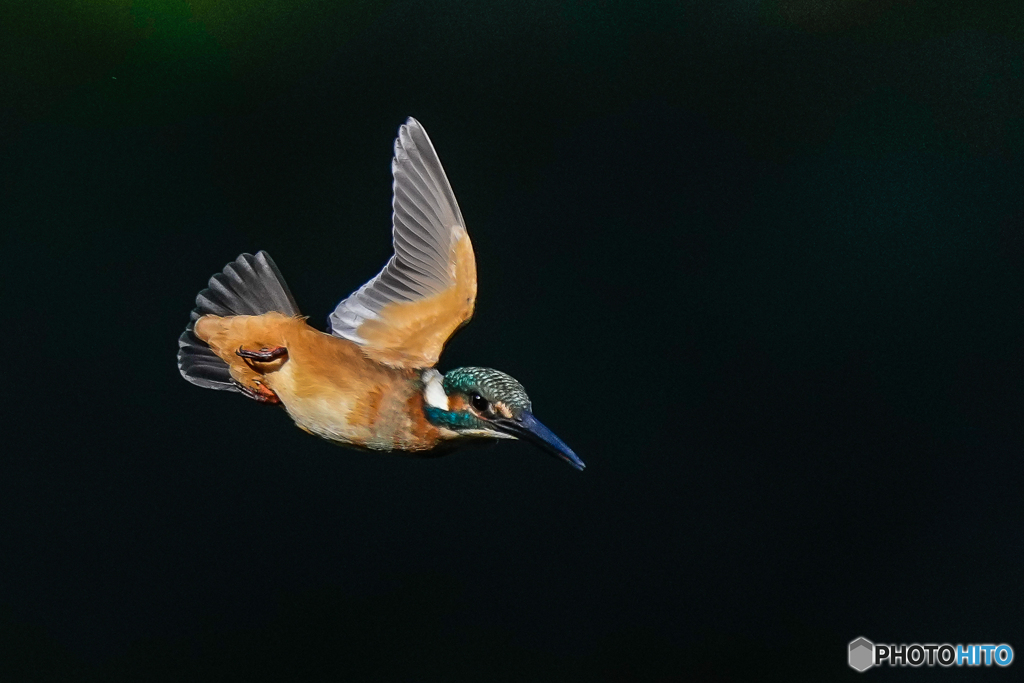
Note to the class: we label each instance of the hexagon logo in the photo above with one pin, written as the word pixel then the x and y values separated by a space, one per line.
pixel 862 654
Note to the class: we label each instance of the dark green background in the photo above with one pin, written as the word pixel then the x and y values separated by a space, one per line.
pixel 760 264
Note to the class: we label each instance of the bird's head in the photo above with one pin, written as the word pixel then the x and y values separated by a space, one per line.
pixel 481 402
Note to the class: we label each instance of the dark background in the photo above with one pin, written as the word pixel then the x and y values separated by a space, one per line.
pixel 760 263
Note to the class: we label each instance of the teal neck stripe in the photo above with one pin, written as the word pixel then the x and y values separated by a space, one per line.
pixel 452 420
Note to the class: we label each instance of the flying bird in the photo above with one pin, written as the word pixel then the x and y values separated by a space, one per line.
pixel 370 382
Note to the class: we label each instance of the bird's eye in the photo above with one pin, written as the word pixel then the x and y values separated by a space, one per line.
pixel 479 402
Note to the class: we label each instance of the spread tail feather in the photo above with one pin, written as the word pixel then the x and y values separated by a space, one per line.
pixel 249 285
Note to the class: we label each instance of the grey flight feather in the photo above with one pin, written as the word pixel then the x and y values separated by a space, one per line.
pixel 426 225
pixel 249 285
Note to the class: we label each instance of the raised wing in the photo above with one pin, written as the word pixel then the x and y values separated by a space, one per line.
pixel 404 315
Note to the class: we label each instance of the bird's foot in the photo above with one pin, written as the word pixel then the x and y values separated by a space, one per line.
pixel 259 392
pixel 264 355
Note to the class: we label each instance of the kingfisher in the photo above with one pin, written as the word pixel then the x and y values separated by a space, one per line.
pixel 370 382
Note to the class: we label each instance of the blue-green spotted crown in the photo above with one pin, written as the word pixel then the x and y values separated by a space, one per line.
pixel 495 386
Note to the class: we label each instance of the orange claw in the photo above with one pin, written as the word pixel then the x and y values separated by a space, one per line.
pixel 264 355
pixel 259 392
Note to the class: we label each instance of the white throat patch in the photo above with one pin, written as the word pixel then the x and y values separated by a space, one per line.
pixel 433 389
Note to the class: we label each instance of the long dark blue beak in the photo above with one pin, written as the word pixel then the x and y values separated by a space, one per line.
pixel 527 427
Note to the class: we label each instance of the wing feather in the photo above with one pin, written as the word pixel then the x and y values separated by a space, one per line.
pixel 427 290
